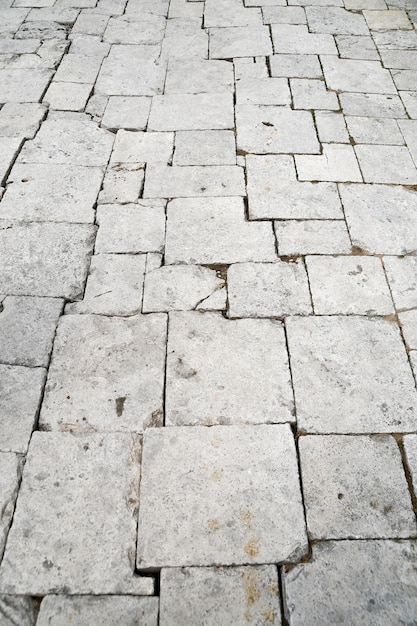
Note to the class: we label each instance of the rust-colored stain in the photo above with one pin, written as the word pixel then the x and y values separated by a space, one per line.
pixel 217 475
pixel 269 615
pixel 246 518
pixel 251 584
pixel 214 524
pixel 252 547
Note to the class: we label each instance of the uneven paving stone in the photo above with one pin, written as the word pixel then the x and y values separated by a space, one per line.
pixel 77 68
pixel 264 91
pixel 404 79
pixel 312 94
pixel 243 41
pixel 275 129
pixel 27 329
pixel 372 105
pixel 402 277
pixel 295 65
pixel 386 164
pixel 335 21
pixel 296 39
pixel 230 13
pixel 193 182
pixel 348 285
pixel 67 96
pixel 139 147
pixel 268 289
pixel 356 75
pixel 21 119
pixel 205 147
pixel 355 488
pixel 10 147
pixel 203 231
pixel 49 192
pixel 108 610
pixel 149 29
pixel 55 556
pixel 312 237
pixel 207 354
pixel 178 288
pixel 90 24
pixel 336 163
pixel 250 68
pixel 409 99
pixel 283 15
pixel 45 259
pixel 331 127
pixel 21 610
pixel 383 20
pixel 249 595
pixel 140 227
pixel 408 322
pixel 247 509
pixel 191 112
pixel 10 472
pixel 358 582
pixel 23 85
pixel 193 76
pixel 370 130
pixel 106 374
pixel 381 219
pixel 362 365
pixel 122 183
pixel 126 112
pixel 216 302
pixel 357 47
pixel 114 285
pixel 20 396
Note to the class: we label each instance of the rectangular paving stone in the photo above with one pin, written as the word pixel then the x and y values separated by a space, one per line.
pixel 247 508
pixel 230 13
pixel 355 488
pixel 179 46
pixel 241 41
pixel 358 581
pixel 356 75
pixel 296 39
pixel 191 75
pixel 191 112
pixel 409 131
pixel 106 374
pixel 215 232
pixel 312 237
pixel 79 610
pixel 331 127
pixel 77 68
pixel 312 94
pixel 382 20
pixel 21 119
pixel 372 105
pixel 335 21
pixel 250 595
pixel 370 130
pixel 67 96
pixel 162 181
pixel 208 355
pixel 10 472
pixel 275 129
pixel 271 91
pixel 283 15
pixel 205 147
pixel 348 285
pixel 149 29
pixel 386 164
pixel 404 79
pixel 46 551
pixel 122 184
pixel 246 67
pixel 140 147
pixel 129 112
pixel 402 277
pixel 45 259
pixel 408 322
pixel 337 163
pixel 23 85
pixel 367 377
pixel 268 289
pixel 22 610
pixel 357 47
pixel 295 65
pixel 381 219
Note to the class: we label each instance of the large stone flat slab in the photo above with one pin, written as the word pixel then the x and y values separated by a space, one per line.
pixel 249 595
pixel 335 21
pixel 61 525
pixel 402 277
pixel 140 147
pixel 10 471
pixel 296 39
pixel 226 372
pixel 239 41
pixel 106 374
pixel 45 259
pixel 386 164
pixel 350 375
pixel 162 181
pixel 191 75
pixel 355 582
pixel 312 237
pixel 23 85
pixel 356 75
pixel 149 29
pixel 192 112
pixel 246 505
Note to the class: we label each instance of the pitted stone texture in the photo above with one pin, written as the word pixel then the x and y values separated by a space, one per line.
pixel 10 472
pixel 90 24
pixel 107 610
pixel 192 112
pixel 357 582
pixel 381 219
pixel 132 71
pixel 27 329
pixel 249 595
pixel 357 47
pixel 215 231
pixel 20 610
pixel 356 75
pixel 106 374
pixel 331 127
pixel 44 259
pixel 230 13
pixel 410 448
pixel 148 29
pixel 193 76
pixel 355 488
pixel 21 119
pixel 312 94
pixel 78 68
pixel 296 39
pixel 263 91
pixel 268 289
pixel 178 287
pixel 386 164
pixel 122 183
pixel 275 193
pixel 247 507
pixel 226 372
pixel 126 112
pixel 114 285
pixel 312 237
pixel 272 129
pixel 140 227
pixel 295 65
pixel 49 192
pixel 10 147
pixel 162 181
pixel 372 105
pixel 67 96
pixel 283 15
pixel 370 130
pixel 335 21
pixel 132 147
pixel 350 375
pixel 383 20
pixel 23 85
pixel 402 277
pixel 408 321
pixel 46 551
pixel 337 163
pixel 241 41
pixel 205 147
pixel 348 285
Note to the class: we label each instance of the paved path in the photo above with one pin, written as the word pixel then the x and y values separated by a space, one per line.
pixel 208 326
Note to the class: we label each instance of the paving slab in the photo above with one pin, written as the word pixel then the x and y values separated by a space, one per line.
pixel 230 13
pixel 140 147
pixel 356 75
pixel 283 15
pixel 21 119
pixel 335 21
pixel 362 365
pixel 205 147
pixel 264 91
pixel 10 465
pixel 208 354
pixel 402 277
pixel 251 513
pixel 410 449
pixel 250 595
pixel 54 556
pixel 67 96
pixel 331 127
pixel 386 164
pixel 408 129
pixel 383 20
pixel 295 65
pixel 148 30
pixel 312 94
pixel 122 184
pixel 106 374
pixel 296 39
pixel 241 41
pixel 193 76
pixel 312 237
pixel 23 85
pixel 372 105
pixel 128 112
pixel 357 47
pixel 337 163
pixel 21 610
pixel 196 181
pixel 370 130
pixel 191 112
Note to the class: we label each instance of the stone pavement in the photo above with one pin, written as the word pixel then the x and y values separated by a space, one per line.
pixel 208 312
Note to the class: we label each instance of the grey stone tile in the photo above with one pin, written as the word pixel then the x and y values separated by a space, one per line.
pixel 245 511
pixel 147 29
pixel 10 473
pixel 402 277
pixel 356 76
pixel 347 285
pixel 275 129
pixel 355 581
pixel 404 79
pixel 250 67
pixel 283 15
pixel 129 112
pixel 370 130
pixel 208 354
pixel 77 68
pixel 386 164
pixel 271 91
pixel 27 329
pixel 230 13
pixel 409 99
pixel 45 259
pixel 399 59
pixel 296 39
pixel 89 46
pixel 190 75
pixel 185 46
pixel 191 112
pixel 122 183
pixel 53 193
pixel 250 595
pixel 395 40
pixel 362 364
pixel 140 147
pixel 21 119
pixel 312 94
pixel 372 105
pixel 216 302
pixel 357 47
pixel 243 41
pixel 55 555
pixel 331 127
pixel 383 20
pixel 312 237
pixel 336 163
pixel 23 85
pixel 10 147
pixel 205 147
pixel 335 21
pixel 108 610
pixel 274 192
pixel 90 24
pixel 215 232
pixel 409 131
pixel 140 227
pixel 162 181
pixel 381 219
pixel 408 322
pixel 268 289
pixel 20 610
pixel 20 396
pixel 67 96
pixel 295 65
pixel 355 488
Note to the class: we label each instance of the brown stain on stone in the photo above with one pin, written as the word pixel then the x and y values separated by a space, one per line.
pixel 246 518
pixel 120 403
pixel 252 547
pixel 251 584
pixel 269 615
pixel 217 475
pixel 214 524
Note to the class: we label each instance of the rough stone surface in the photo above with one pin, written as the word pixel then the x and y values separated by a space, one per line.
pixel 192 182
pixel 191 75
pixel 402 277
pixel 386 164
pixel 243 41
pixel 312 237
pixel 126 112
pixel 410 449
pixel 133 147
pixel 191 112
pixel 205 147
pixel 235 497
pixel 21 119
pixel 9 485
pixel 408 321
pixel 20 610
pixel 337 163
